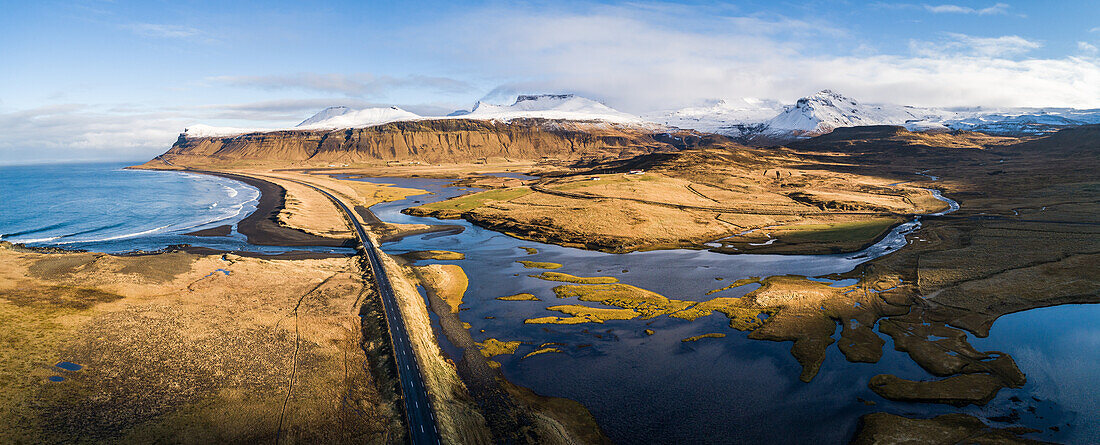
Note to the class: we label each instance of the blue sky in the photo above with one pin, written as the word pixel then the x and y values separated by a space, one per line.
pixel 117 79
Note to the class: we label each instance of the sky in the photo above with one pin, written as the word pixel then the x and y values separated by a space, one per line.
pixel 119 80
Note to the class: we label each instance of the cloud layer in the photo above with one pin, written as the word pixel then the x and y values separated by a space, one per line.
pixel 355 85
pixel 999 8
pixel 637 57
pixel 641 63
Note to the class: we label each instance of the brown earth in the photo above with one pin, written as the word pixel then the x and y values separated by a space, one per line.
pixel 1025 237
pixel 172 348
pixel 725 192
pixel 428 141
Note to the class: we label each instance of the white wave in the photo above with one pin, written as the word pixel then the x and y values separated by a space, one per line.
pixel 34 240
pixel 116 237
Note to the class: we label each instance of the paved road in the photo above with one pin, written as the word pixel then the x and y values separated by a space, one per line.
pixel 418 408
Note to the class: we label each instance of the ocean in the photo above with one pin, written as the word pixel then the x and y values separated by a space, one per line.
pixel 103 207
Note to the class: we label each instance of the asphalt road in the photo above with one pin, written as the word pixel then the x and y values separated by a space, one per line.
pixel 418 408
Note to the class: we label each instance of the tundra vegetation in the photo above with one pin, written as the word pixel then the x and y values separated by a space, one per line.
pixel 1025 237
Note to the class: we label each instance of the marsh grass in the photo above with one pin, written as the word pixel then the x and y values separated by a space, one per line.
pixel 475 200
pixel 564 277
pixel 539 264
pixel 702 336
pixel 541 351
pixel 493 347
pixel 520 297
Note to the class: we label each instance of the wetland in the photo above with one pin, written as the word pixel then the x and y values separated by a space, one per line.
pixel 898 328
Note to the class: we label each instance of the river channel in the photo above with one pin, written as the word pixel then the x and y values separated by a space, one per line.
pixel 657 389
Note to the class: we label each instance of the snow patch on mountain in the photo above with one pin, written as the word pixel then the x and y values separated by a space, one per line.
pixel 544 106
pixel 341 117
pixel 719 116
pixel 207 131
pixel 551 106
pixel 827 110
pixel 323 115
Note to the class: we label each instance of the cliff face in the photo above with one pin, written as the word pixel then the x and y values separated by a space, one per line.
pixel 433 141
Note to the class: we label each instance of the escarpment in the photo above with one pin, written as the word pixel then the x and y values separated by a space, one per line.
pixel 435 141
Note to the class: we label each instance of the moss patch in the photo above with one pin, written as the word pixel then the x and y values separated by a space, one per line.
pixel 741 318
pixel 539 264
pixel 702 336
pixel 737 283
pixel 649 304
pixel 520 297
pixel 444 255
pixel 558 276
pixel 541 351
pixel 583 314
pixel 468 202
pixel 492 347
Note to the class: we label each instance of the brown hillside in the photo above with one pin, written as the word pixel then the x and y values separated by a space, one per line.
pixel 431 141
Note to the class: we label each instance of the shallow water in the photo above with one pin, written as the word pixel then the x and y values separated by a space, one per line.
pixel 1059 350
pixel 69 366
pixel 658 389
pixel 103 207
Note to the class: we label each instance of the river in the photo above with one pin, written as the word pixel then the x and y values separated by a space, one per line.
pixel 657 389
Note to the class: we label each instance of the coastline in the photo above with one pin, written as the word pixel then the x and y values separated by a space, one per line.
pixel 260 227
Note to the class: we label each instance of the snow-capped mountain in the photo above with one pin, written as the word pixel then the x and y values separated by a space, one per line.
pixel 342 117
pixel 827 110
pixel 720 116
pixel 327 113
pixel 543 106
pixel 551 106
pixel 1023 120
pixel 748 120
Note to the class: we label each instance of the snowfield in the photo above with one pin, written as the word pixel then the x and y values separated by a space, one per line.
pixel 827 110
pixel 746 119
pixel 551 106
pixel 342 117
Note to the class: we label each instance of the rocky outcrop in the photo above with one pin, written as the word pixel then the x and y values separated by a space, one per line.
pixel 435 141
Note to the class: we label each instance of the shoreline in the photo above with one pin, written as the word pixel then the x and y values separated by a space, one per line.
pixel 186 248
pixel 260 227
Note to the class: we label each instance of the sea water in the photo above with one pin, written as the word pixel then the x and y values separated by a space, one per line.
pixel 105 207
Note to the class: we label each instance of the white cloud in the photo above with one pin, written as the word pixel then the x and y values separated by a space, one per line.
pixel 133 131
pixel 639 64
pixel 954 43
pixel 163 31
pixel 1087 48
pixel 79 132
pixel 638 61
pixel 999 8
pixel 357 85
